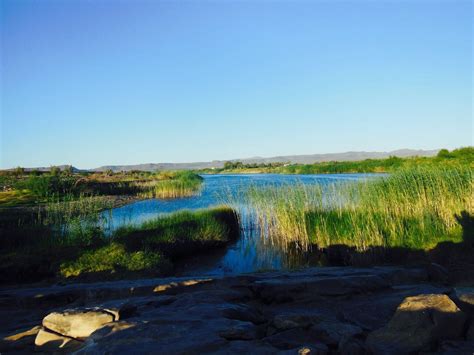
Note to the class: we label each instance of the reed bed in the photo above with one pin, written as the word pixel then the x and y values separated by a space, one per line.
pixel 171 185
pixel 413 208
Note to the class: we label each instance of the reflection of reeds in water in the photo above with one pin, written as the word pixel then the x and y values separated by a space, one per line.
pixel 412 208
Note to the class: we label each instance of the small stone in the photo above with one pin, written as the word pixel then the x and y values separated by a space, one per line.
pixel 304 351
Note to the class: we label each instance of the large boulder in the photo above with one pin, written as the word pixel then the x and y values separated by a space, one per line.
pixel 418 324
pixel 78 324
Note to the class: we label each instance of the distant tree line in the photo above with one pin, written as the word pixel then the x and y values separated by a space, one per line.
pixel 233 165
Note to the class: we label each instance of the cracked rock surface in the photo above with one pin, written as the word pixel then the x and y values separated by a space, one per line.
pixel 333 310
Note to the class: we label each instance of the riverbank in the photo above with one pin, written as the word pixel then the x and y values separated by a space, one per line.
pixel 26 189
pixel 444 159
pixel 86 252
pixel 320 310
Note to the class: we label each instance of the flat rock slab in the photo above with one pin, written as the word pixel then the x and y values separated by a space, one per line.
pixel 308 311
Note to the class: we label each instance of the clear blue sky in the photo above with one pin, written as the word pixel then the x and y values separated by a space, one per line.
pixel 90 83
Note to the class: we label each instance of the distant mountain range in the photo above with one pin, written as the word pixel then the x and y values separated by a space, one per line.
pixel 292 159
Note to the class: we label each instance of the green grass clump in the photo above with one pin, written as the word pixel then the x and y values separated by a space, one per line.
pixel 150 246
pixel 172 185
pixel 114 258
pixel 414 208
pixel 182 233
pixel 69 240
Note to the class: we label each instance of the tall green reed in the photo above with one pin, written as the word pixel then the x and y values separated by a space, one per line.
pixel 413 208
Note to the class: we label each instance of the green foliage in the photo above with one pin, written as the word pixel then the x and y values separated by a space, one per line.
pixel 47 186
pixel 68 239
pixel 171 185
pixel 43 187
pixel 461 156
pixel 111 259
pixel 444 153
pixel 238 165
pixel 19 171
pixel 186 229
pixel 150 246
pixel 414 208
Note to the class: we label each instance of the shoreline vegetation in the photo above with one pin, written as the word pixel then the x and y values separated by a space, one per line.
pixel 53 226
pixel 413 208
pixel 72 243
pixel 462 156
pixel 21 188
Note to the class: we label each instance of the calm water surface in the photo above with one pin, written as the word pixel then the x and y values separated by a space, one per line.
pixel 247 254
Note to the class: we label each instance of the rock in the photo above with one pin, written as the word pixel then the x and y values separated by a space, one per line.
pixel 304 351
pixel 241 331
pixel 372 312
pixel 77 323
pixel 402 276
pixel 351 346
pixel 161 301
pixel 438 273
pixel 180 284
pixel 109 329
pixel 286 290
pixel 19 340
pixel 456 348
pixel 465 300
pixel 419 322
pixel 317 349
pixel 243 313
pixel 470 331
pixel 313 310
pixel 48 341
pixel 289 321
pixel 121 309
pixel 332 332
pixel 296 338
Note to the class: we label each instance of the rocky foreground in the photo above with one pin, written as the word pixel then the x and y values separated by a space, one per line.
pixel 384 310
